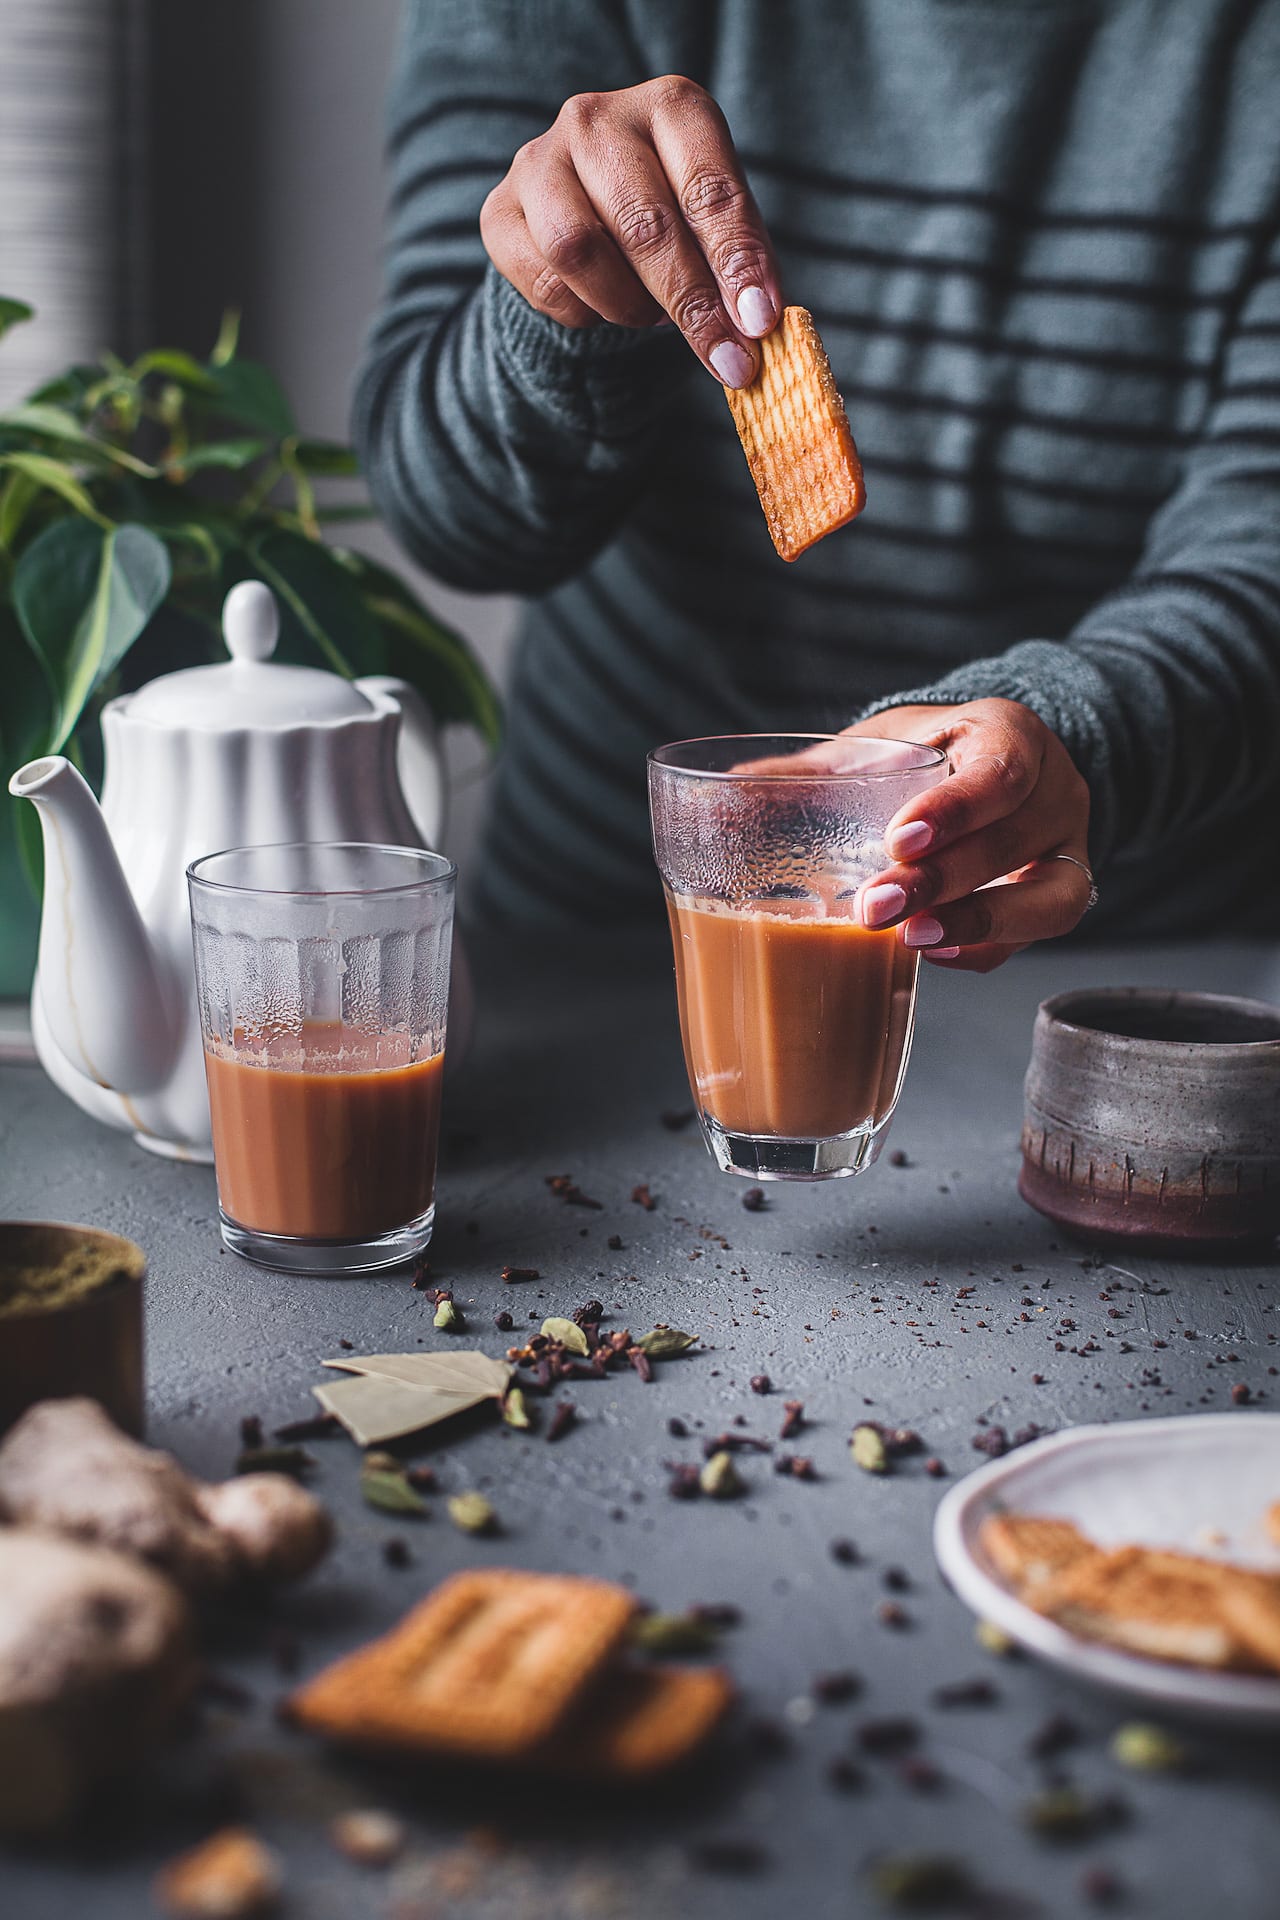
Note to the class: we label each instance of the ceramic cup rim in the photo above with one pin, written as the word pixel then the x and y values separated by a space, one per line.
pixel 1052 1016
pixel 444 874
pixel 931 757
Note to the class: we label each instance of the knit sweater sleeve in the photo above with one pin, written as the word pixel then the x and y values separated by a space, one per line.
pixel 1167 692
pixel 502 448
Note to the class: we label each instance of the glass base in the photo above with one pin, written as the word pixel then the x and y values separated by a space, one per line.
pixel 290 1254
pixel 770 1156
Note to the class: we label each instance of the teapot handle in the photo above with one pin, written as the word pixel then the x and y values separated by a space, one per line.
pixel 419 757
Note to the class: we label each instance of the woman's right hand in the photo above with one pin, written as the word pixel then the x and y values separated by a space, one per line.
pixel 634 206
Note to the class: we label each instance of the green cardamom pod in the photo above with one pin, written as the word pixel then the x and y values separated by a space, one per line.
pixel 669 1633
pixel 294 1460
pixel 1147 1748
pixel 390 1492
pixel 920 1880
pixel 472 1513
pixel 514 1410
pixel 568 1333
pixel 869 1451
pixel 721 1479
pixel 667 1343
pixel 448 1318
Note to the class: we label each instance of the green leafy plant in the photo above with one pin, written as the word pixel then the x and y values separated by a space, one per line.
pixel 132 498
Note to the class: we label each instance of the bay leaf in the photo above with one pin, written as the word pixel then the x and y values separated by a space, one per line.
pixel 373 1409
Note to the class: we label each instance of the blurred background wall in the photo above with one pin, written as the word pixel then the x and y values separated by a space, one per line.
pixel 163 159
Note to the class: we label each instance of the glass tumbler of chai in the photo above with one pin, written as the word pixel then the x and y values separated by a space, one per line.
pixel 796 1019
pixel 322 976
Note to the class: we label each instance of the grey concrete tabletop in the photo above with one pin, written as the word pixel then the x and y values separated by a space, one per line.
pixel 922 1294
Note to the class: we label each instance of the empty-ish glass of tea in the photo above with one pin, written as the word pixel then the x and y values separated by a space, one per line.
pixel 796 1019
pixel 322 975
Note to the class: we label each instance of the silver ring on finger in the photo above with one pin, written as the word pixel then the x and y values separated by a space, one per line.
pixel 1085 869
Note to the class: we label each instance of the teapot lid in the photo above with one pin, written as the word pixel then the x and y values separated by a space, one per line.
pixel 250 689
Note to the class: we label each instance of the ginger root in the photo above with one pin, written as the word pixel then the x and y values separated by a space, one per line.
pixel 64 1468
pixel 96 1654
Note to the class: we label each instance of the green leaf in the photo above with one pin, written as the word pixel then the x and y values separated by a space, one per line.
pixel 426 653
pixel 234 454
pixel 324 457
pixel 224 347
pixel 83 597
pixel 67 388
pixel 245 392
pixel 13 313
pixel 16 496
pixel 26 713
pixel 183 368
pixel 57 423
pixel 45 471
pixel 320 603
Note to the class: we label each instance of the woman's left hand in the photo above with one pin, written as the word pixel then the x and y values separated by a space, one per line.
pixel 973 878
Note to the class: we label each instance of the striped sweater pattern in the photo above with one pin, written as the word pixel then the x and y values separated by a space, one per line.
pixel 1040 239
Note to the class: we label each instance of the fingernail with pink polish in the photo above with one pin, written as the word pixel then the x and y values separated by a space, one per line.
pixel 756 311
pixel 922 931
pixel 732 364
pixel 879 905
pixel 906 841
pixel 942 953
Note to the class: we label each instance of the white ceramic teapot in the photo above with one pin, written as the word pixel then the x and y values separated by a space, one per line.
pixel 241 754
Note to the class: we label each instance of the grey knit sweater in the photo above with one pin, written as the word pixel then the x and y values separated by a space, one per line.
pixel 1040 240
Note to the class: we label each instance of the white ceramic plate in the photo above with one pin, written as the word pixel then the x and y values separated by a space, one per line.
pixel 1200 1484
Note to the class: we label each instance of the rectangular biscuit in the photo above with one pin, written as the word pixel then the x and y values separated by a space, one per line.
pixel 1250 1606
pixel 1026 1548
pixel 639 1721
pixel 487 1666
pixel 1165 1606
pixel 795 433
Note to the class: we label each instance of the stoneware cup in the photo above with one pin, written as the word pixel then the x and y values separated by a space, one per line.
pixel 1153 1118
pixel 70 1319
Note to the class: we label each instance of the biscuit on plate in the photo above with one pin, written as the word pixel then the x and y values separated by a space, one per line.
pixel 1025 1548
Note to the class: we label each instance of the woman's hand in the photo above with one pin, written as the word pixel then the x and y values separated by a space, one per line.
pixel 973 880
pixel 632 206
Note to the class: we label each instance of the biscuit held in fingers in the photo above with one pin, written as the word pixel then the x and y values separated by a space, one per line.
pixel 795 433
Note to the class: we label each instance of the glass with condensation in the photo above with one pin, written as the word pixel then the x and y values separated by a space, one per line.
pixel 796 1019
pixel 322 975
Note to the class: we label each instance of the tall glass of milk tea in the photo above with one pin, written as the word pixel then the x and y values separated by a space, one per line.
pixel 322 975
pixel 796 1019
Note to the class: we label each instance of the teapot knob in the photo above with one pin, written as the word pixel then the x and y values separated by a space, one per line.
pixel 250 621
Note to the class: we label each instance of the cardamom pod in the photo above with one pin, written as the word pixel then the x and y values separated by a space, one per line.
pixel 514 1410
pixel 472 1513
pixel 390 1491
pixel 294 1460
pixel 448 1318
pixel 869 1451
pixel 920 1880
pixel 667 1343
pixel 994 1639
pixel 1147 1748
pixel 721 1479
pixel 568 1333
pixel 669 1633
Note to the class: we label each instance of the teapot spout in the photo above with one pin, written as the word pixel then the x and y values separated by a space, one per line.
pixel 101 988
